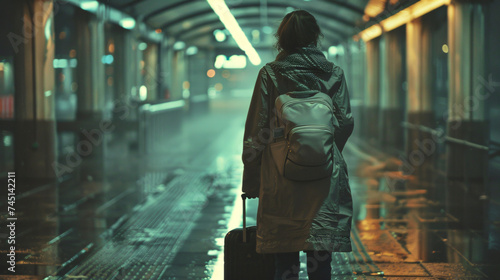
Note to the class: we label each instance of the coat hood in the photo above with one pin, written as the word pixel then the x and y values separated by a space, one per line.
pixel 303 69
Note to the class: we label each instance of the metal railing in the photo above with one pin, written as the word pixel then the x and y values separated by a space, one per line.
pixel 446 137
pixel 157 123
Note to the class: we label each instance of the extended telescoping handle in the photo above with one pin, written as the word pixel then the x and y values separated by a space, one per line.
pixel 243 197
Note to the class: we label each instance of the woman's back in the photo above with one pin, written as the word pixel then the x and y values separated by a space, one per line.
pixel 294 216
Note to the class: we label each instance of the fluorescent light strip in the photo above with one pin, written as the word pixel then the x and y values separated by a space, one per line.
pixel 227 18
pixel 403 17
pixel 127 23
pixel 90 6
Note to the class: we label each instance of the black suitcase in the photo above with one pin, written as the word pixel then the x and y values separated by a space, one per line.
pixel 241 261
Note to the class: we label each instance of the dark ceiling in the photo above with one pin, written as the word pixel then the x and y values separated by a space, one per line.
pixel 193 21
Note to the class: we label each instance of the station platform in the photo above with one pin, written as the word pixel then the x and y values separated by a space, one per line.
pixel 165 216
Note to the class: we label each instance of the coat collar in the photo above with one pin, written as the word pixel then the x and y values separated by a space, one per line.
pixel 307 58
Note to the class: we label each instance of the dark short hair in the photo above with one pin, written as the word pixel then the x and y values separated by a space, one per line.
pixel 297 29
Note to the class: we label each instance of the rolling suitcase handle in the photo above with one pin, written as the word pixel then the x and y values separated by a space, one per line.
pixel 244 197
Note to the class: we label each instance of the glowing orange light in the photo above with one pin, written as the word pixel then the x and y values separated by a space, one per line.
pixel 158 30
pixel 218 87
pixel 72 53
pixel 186 85
pixel 62 35
pixel 111 47
pixel 403 17
pixel 211 73
pixel 375 7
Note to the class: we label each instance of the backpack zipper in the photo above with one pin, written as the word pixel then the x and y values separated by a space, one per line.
pixel 290 102
pixel 322 127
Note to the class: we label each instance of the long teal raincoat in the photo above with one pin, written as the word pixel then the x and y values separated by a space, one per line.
pixel 296 216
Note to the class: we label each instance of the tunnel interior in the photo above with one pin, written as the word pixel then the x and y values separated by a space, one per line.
pixel 122 121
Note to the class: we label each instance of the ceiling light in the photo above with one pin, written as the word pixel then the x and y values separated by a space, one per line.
pixel 333 51
pixel 90 6
pixel 267 29
pixel 143 92
pixel 225 16
pixel 127 23
pixel 219 61
pixel 403 17
pixel 289 10
pixel 179 45
pixel 219 35
pixel 236 62
pixel 192 50
pixel 142 46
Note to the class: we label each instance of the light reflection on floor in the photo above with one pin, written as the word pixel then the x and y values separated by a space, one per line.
pixel 234 222
pixel 393 225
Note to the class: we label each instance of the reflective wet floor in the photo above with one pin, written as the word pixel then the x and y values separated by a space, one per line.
pixel 165 215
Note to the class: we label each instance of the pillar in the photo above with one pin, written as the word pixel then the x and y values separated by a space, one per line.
pixel 35 126
pixel 35 141
pixel 391 90
pixel 166 65
pixel 466 107
pixel 124 76
pixel 356 85
pixel 466 167
pixel 371 99
pixel 419 96
pixel 91 144
pixel 124 109
pixel 179 69
pixel 151 71
pixel 198 66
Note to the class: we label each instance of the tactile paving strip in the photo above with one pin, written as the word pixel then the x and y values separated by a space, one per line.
pixel 146 243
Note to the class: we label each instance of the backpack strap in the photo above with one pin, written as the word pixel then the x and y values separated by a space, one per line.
pixel 279 129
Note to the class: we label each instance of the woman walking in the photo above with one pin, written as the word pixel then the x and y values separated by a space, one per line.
pixel 298 215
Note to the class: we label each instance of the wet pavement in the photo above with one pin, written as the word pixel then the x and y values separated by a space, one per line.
pixel 165 216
